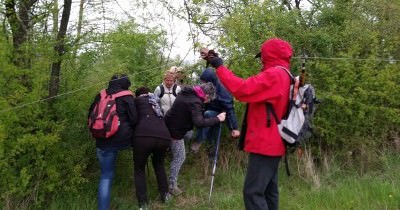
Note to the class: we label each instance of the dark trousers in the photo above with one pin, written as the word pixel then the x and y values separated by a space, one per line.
pixel 143 148
pixel 260 190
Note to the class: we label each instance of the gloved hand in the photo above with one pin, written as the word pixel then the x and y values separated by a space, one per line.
pixel 212 54
pixel 216 62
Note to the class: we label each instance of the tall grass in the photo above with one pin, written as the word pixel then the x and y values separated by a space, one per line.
pixel 309 187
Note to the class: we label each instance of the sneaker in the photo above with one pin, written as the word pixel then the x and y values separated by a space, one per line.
pixel 195 146
pixel 174 190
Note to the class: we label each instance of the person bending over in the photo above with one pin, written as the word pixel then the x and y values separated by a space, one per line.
pixel 184 113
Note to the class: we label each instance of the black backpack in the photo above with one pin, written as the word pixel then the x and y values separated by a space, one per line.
pixel 162 90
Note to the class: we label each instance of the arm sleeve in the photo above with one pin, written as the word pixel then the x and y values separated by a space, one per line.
pixel 198 118
pixel 231 119
pixel 258 88
pixel 132 113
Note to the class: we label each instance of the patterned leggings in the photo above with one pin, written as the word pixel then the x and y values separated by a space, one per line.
pixel 178 157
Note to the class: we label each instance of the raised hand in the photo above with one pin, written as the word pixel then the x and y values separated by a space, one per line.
pixel 216 62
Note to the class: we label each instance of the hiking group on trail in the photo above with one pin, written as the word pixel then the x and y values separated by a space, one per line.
pixel 153 123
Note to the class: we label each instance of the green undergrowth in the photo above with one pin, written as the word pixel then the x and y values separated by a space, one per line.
pixel 337 188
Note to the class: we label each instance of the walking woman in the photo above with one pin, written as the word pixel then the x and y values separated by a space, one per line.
pixel 151 138
pixel 107 148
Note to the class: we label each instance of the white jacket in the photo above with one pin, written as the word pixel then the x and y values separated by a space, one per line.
pixel 168 98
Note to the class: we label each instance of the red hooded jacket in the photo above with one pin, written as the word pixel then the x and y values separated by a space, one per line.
pixel 270 85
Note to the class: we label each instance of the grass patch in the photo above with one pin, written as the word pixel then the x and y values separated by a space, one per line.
pixel 338 189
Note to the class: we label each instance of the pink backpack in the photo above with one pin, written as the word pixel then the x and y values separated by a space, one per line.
pixel 103 121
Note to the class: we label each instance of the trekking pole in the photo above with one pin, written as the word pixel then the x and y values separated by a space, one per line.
pixel 215 162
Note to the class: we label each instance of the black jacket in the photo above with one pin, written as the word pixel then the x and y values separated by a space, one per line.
pixel 149 125
pixel 186 111
pixel 127 115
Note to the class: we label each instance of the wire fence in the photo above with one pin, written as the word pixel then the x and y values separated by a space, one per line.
pixel 76 90
pixel 146 70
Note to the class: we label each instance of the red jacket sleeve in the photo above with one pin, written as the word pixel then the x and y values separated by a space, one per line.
pixel 261 87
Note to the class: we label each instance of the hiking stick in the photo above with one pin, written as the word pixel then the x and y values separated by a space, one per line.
pixel 215 162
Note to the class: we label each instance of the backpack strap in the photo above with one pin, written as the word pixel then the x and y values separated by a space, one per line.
pixel 122 93
pixel 95 111
pixel 270 110
pixel 293 81
pixel 161 91
pixel 293 96
pixel 103 93
pixel 174 89
pixel 295 89
pixel 287 163
pixel 288 72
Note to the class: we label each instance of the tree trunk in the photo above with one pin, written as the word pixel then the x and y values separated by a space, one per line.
pixel 80 18
pixel 79 28
pixel 297 2
pixel 54 12
pixel 59 49
pixel 20 21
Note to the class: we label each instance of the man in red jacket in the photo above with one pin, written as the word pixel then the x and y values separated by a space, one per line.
pixel 263 142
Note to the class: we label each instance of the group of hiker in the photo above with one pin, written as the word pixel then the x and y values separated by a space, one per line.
pixel 151 122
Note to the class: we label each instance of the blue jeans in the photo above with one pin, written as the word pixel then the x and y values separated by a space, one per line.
pixel 106 159
pixel 208 133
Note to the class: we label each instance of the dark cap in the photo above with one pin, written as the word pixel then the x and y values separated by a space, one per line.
pixel 258 55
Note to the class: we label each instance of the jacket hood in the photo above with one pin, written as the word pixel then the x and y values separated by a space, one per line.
pixel 222 94
pixel 209 76
pixel 118 84
pixel 276 52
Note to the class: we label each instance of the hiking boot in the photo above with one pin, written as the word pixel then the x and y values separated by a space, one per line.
pixel 174 190
pixel 195 146
pixel 166 197
pixel 211 153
